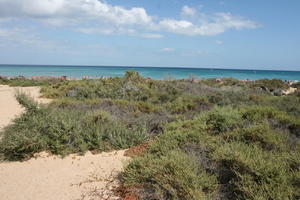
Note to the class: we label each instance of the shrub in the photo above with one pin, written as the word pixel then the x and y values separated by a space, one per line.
pixel 256 174
pixel 63 131
pixel 223 119
pixel 270 84
pixel 121 137
pixel 251 159
pixel 172 176
pixel 26 101
pixel 26 82
pixel 260 134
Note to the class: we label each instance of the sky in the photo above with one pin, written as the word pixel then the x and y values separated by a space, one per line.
pixel 251 34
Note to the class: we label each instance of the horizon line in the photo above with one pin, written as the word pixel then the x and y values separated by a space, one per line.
pixel 167 67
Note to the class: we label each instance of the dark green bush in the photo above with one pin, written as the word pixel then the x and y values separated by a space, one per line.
pixel 251 159
pixel 221 120
pixel 174 175
pixel 256 174
pixel 271 85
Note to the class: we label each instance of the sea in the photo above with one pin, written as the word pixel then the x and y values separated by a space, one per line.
pixel 157 73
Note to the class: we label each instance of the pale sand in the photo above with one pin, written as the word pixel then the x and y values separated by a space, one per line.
pixel 290 91
pixel 50 177
pixel 9 107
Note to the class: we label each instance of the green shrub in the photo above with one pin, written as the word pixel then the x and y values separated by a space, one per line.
pixel 262 135
pixel 26 82
pixel 256 174
pixel 251 159
pixel 172 176
pixel 223 119
pixel 276 118
pixel 121 137
pixel 26 101
pixel 64 131
pixel 271 85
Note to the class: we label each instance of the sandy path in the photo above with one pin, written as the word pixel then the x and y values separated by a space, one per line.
pixel 50 177
pixel 9 107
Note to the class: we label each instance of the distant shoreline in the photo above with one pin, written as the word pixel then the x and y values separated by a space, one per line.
pixel 157 73
pixel 153 67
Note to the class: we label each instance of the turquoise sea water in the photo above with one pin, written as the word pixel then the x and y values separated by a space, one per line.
pixel 152 72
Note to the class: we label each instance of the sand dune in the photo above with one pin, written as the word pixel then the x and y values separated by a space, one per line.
pixel 48 177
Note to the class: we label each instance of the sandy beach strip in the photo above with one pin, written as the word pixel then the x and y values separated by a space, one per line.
pixel 51 177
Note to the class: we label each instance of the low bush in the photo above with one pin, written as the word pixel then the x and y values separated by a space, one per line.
pixel 270 85
pixel 255 174
pixel 221 154
pixel 174 175
pixel 26 82
pixel 221 120
pixel 63 131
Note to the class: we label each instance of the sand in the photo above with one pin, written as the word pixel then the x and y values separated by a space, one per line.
pixel 289 91
pixel 52 178
pixel 48 177
pixel 9 107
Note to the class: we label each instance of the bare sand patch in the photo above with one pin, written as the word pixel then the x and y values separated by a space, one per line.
pixel 52 178
pixel 290 91
pixel 9 107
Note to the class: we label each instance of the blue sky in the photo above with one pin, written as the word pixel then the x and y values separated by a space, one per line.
pixel 177 33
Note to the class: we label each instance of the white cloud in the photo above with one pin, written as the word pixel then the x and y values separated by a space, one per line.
pixel 107 31
pixel 152 35
pixel 207 25
pixel 99 17
pixel 186 10
pixel 73 9
pixel 168 50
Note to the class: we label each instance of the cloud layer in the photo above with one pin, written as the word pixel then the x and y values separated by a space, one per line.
pixel 98 17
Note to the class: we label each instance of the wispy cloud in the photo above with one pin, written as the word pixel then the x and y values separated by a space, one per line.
pixel 167 50
pixel 152 35
pixel 100 17
pixel 188 11
pixel 207 25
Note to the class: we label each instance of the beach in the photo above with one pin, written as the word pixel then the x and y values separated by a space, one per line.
pixel 149 100
pixel 51 177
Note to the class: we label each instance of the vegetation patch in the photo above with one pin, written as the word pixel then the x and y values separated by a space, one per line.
pixel 223 156
pixel 189 139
